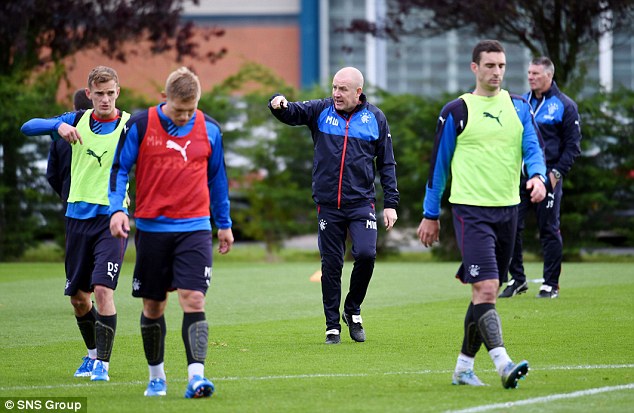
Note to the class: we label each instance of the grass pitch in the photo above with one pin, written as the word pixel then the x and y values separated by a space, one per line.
pixel 266 351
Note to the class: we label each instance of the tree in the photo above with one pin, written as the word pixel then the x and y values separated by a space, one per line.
pixel 412 121
pixel 22 185
pixel 599 195
pixel 34 33
pixel 35 37
pixel 271 194
pixel 559 29
pixel 601 184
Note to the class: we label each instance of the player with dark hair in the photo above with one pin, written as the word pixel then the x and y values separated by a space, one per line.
pixel 81 100
pixel 180 175
pixel 482 138
pixel 93 255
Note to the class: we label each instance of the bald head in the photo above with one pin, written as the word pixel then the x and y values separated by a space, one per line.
pixel 347 86
pixel 352 75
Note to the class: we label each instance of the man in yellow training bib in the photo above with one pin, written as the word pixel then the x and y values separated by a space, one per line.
pixel 93 255
pixel 482 138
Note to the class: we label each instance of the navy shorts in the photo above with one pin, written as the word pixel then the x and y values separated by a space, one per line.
pixel 485 237
pixel 166 261
pixel 93 255
pixel 334 225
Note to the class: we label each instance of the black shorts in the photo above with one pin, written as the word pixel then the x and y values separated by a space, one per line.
pixel 166 261
pixel 93 255
pixel 485 237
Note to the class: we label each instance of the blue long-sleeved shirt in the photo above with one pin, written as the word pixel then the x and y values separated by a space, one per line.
pixel 126 157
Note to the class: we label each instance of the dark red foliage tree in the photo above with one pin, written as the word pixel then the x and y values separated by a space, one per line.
pixel 560 29
pixel 36 32
pixel 36 35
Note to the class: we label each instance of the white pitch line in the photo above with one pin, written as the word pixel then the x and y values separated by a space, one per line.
pixel 309 376
pixel 588 367
pixel 544 399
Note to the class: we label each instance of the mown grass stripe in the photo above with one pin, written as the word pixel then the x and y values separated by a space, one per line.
pixel 310 376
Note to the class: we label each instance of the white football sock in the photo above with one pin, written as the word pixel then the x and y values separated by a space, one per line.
pixel 196 369
pixel 500 358
pixel 464 363
pixel 157 372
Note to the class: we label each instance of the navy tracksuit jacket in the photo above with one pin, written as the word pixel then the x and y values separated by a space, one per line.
pixel 559 124
pixel 346 148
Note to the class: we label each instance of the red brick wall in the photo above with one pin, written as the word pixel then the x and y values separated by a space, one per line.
pixel 276 47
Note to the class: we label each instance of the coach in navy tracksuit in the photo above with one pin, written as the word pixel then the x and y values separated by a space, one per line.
pixel 558 120
pixel 349 135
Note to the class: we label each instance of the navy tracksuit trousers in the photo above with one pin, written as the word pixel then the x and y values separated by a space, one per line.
pixel 547 213
pixel 333 228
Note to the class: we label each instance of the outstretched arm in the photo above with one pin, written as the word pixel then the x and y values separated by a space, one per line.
pixel 295 113
pixel 279 102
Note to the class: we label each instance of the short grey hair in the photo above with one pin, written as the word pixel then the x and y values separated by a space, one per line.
pixel 549 67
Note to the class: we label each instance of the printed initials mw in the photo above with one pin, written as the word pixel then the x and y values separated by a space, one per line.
pixel 332 120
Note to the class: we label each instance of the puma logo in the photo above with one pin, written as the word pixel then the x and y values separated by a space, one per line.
pixel 182 149
pixel 92 153
pixel 497 118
